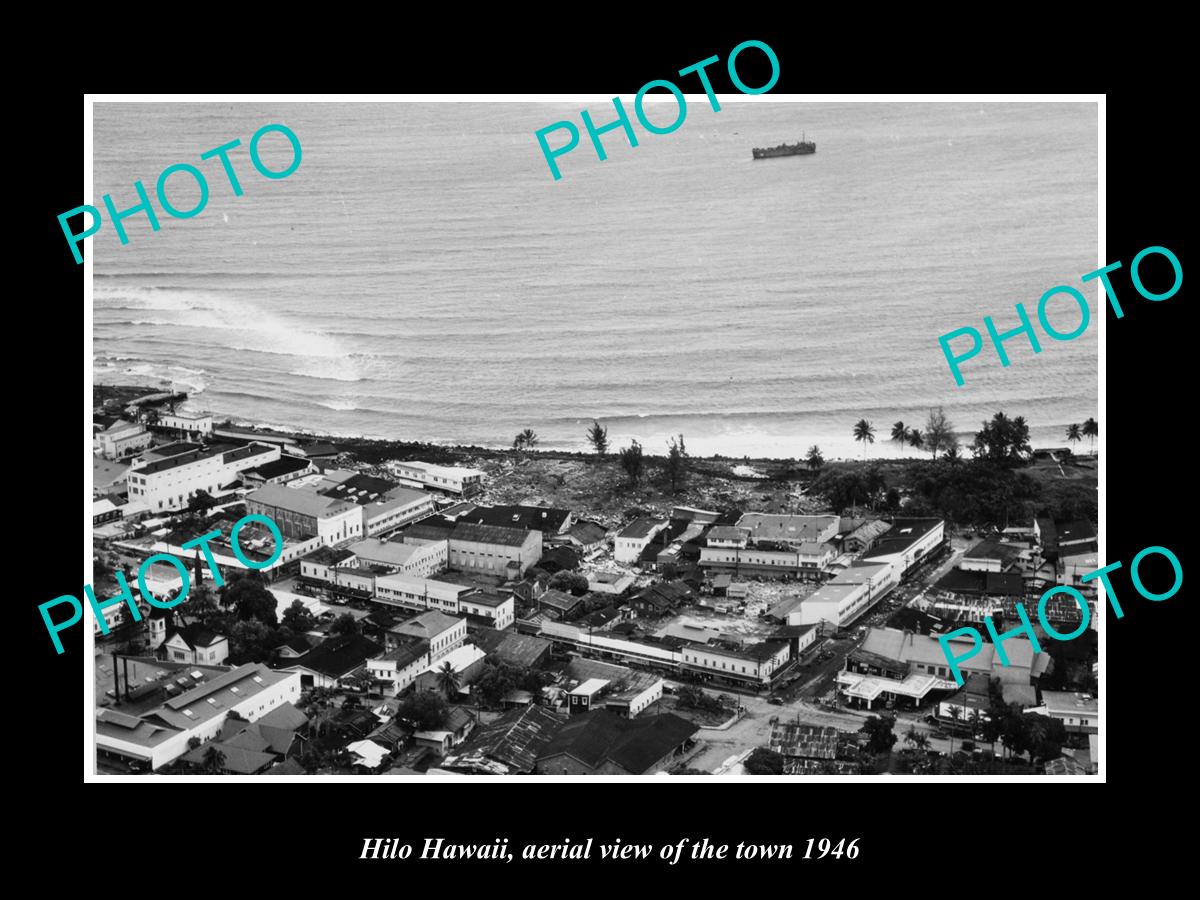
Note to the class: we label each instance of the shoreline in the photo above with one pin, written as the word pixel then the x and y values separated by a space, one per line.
pixel 449 450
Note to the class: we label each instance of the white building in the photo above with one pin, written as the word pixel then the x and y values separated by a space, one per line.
pixel 197 645
pixel 419 593
pixel 302 513
pixel 451 479
pixel 635 537
pixel 122 438
pixel 161 735
pixel 194 424
pixel 400 666
pixel 443 633
pixel 843 599
pixel 908 542
pixel 772 544
pixel 415 560
pixel 755 663
pixel 1078 712
pixel 168 484
pixel 496 610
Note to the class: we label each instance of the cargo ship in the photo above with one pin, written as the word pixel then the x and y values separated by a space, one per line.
pixel 785 150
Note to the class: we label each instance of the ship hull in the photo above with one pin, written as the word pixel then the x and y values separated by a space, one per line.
pixel 774 152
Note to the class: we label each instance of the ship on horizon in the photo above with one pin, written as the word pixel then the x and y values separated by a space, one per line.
pixel 785 149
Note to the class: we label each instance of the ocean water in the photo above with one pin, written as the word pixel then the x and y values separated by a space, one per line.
pixel 421 276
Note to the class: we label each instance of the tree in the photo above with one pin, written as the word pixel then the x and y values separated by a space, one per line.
pixel 1091 430
pixel 1045 737
pixel 424 710
pixel 842 489
pixel 526 440
pixel 494 682
pixel 197 572
pixel 900 434
pixel 939 433
pixel 250 598
pixel 344 624
pixel 879 733
pixel 298 618
pixel 691 697
pixel 916 440
pixel 598 437
pixel 763 762
pixel 916 739
pixel 572 582
pixel 193 743
pixel 874 484
pixel 865 432
pixel 955 715
pixel 1003 440
pixel 214 760
pixel 632 462
pixel 201 502
pixel 814 459
pixel 252 641
pixel 675 467
pixel 447 680
pixel 1073 433
pixel 975 722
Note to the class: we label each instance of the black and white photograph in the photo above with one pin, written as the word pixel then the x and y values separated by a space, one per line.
pixel 456 438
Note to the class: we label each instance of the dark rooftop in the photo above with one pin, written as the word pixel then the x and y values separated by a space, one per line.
pixel 631 744
pixel 516 739
pixel 338 656
pixel 527 518
pixel 285 465
pixel 990 584
pixel 360 489
pixel 489 534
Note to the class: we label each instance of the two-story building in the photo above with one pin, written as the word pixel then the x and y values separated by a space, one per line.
pixel 415 560
pixel 635 537
pixel 385 505
pixel 451 479
pixel 302 513
pixel 442 632
pixel 494 550
pixel 754 664
pixel 169 484
pixel 121 439
pixel 419 593
pixel 191 424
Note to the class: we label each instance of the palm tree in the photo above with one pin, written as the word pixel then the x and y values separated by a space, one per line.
pixel 955 715
pixel 975 720
pixel 1073 433
pixel 1091 430
pixel 863 431
pixel 916 440
pixel 900 434
pixel 814 459
pixel 916 739
pixel 447 680
pixel 526 440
